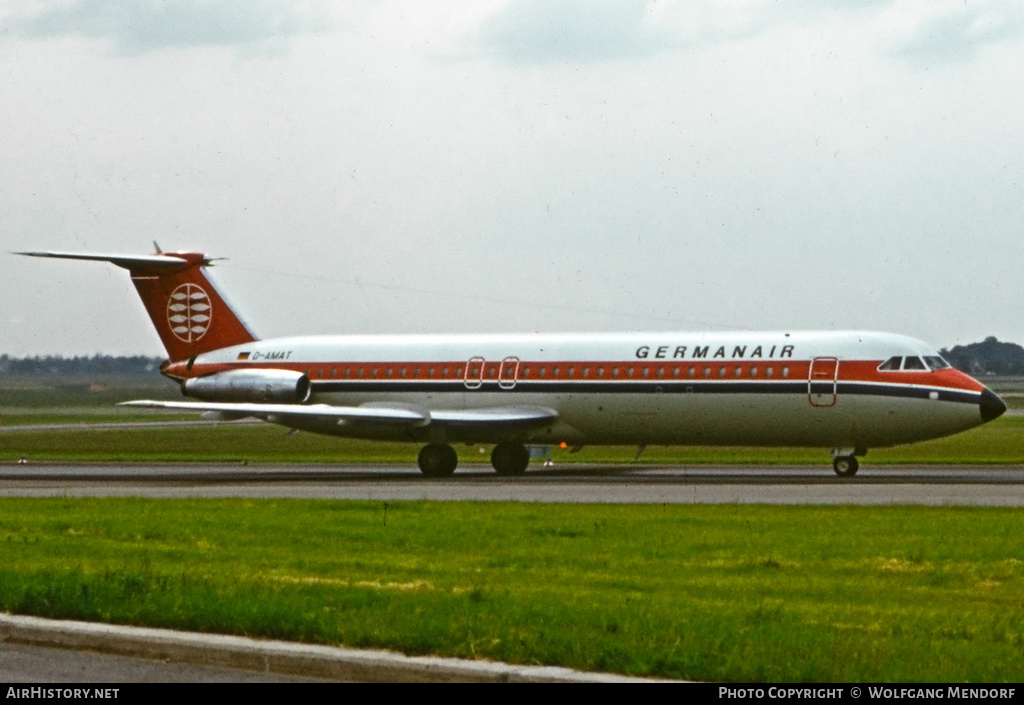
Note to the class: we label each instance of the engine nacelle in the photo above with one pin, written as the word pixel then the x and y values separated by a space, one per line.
pixel 260 386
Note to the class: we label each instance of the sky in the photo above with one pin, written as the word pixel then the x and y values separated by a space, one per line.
pixel 424 166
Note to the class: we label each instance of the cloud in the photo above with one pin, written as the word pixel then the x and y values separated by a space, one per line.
pixel 146 25
pixel 544 31
pixel 548 31
pixel 951 29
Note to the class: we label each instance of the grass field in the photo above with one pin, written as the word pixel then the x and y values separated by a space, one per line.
pixel 731 593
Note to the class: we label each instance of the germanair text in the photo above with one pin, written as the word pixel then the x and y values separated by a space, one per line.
pixel 704 352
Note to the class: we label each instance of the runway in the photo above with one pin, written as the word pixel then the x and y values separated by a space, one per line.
pixel 925 485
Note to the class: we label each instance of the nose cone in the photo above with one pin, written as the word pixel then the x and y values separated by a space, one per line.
pixel 991 406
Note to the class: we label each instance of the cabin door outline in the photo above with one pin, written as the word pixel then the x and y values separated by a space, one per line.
pixel 508 373
pixel 474 378
pixel 822 380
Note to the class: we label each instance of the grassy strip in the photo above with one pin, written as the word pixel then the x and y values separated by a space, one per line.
pixel 731 593
pixel 99 415
pixel 997 442
pixel 78 396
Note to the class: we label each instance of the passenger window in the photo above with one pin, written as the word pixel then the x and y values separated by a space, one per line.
pixel 893 363
pixel 675 372
pixel 707 371
pixel 785 372
pixel 721 372
pixel 691 372
pixel 738 372
pixel 541 372
pixel 600 372
pixel 913 363
pixel 769 372
pixel 753 372
pixel 525 372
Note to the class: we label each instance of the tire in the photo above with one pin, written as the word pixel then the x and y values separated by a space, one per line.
pixel 510 458
pixel 437 460
pixel 845 465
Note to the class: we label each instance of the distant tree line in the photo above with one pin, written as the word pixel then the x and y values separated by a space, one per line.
pixel 52 366
pixel 989 357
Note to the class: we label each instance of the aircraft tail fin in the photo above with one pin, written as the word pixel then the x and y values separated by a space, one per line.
pixel 189 313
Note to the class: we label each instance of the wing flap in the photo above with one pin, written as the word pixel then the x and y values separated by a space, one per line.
pixel 495 416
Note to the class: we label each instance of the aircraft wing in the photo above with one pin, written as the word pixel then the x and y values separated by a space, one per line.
pixel 493 417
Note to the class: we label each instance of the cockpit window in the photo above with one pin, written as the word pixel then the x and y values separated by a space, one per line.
pixel 913 363
pixel 893 363
pixel 930 362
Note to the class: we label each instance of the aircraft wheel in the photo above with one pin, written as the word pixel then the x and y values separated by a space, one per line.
pixel 437 460
pixel 845 465
pixel 510 458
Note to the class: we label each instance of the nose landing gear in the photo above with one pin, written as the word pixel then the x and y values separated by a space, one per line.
pixel 844 460
pixel 845 465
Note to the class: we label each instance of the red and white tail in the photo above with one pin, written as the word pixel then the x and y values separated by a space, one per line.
pixel 190 315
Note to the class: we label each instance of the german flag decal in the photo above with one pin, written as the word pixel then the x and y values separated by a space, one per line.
pixel 243 356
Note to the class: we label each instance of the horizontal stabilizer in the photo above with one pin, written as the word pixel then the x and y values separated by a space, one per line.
pixel 121 260
pixel 188 312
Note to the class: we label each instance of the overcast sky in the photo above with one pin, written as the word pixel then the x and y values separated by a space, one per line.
pixel 517 165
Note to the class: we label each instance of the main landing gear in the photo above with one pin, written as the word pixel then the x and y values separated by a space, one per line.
pixel 510 458
pixel 439 459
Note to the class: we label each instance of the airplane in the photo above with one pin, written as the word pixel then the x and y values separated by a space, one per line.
pixel 843 390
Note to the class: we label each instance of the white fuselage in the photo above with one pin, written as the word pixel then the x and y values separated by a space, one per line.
pixel 820 389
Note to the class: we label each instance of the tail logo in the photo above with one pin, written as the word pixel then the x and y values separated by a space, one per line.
pixel 189 312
